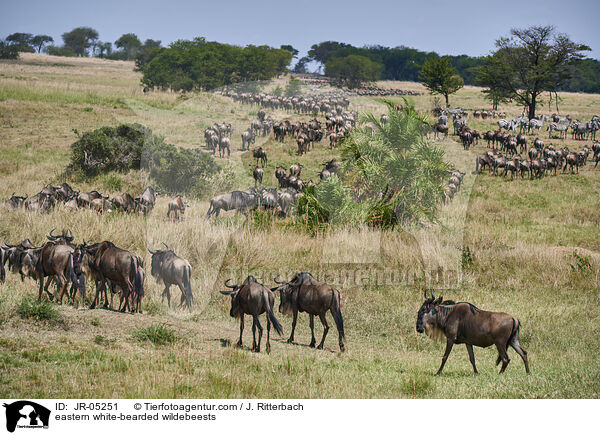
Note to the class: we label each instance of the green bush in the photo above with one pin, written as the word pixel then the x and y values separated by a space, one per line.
pixel 133 146
pixel 8 51
pixel 156 334
pixel 31 308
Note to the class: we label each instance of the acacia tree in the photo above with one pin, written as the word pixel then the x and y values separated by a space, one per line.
pixel 38 41
pixel 80 39
pixel 130 44
pixel 528 63
pixel 21 40
pixel 439 76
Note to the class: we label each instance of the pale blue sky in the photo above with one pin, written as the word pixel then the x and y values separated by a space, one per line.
pixel 447 27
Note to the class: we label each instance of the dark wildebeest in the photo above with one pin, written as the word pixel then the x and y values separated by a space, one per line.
pixel 15 201
pixel 254 299
pixel 118 266
pixel 257 174
pixel 305 293
pixel 464 323
pixel 56 261
pixel 260 154
pixel 281 176
pixel 176 206
pixel 172 270
pixel 124 202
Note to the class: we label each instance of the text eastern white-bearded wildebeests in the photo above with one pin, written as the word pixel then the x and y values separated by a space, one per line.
pixel 111 264
pixel 464 323
pixel 305 294
pixel 254 299
pixel 176 206
pixel 173 270
pixel 236 200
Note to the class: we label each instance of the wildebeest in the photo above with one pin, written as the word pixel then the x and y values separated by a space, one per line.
pixel 116 265
pixel 257 174
pixel 56 261
pixel 254 299
pixel 260 154
pixel 305 293
pixel 148 197
pixel 236 200
pixel 124 202
pixel 15 201
pixel 176 206
pixel 464 323
pixel 172 270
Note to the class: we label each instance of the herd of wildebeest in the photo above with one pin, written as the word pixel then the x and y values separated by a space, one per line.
pixel 69 265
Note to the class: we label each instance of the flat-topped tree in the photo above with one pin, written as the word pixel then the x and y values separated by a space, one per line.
pixel 530 62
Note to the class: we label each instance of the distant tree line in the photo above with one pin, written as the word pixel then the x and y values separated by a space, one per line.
pixel 405 64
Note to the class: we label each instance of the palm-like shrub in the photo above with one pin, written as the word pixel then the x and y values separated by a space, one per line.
pixel 391 175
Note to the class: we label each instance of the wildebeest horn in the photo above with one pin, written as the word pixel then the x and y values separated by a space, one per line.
pixel 425 293
pixel 166 246
pixel 70 236
pixel 229 286
pixel 279 282
pixel 51 231
pixel 432 296
pixel 151 251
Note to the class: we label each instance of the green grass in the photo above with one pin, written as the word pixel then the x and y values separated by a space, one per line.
pixel 156 334
pixel 32 309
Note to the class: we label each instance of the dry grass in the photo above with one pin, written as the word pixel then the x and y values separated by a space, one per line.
pixel 522 237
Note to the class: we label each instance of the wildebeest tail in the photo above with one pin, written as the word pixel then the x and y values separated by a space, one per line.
pixel 2 271
pixel 337 314
pixel 271 315
pixel 515 329
pixel 138 286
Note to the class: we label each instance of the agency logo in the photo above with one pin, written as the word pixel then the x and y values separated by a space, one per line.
pixel 24 414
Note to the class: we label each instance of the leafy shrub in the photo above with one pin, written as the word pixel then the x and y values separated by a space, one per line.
pixel 8 51
pixel 54 50
pixel 30 308
pixel 133 146
pixel 156 334
pixel 184 171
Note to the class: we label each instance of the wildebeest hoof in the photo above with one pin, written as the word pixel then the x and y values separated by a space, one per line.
pixel 320 347
pixel 438 374
pixel 312 344
pixel 238 344
pixel 290 341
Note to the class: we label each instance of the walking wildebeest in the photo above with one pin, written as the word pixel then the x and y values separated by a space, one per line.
pixel 254 299
pixel 176 206
pixel 257 174
pixel 305 293
pixel 115 265
pixel 464 323
pixel 171 269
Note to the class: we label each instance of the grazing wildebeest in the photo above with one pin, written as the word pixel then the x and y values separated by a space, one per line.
pixel 248 137
pixel 176 206
pixel 281 176
pixel 124 202
pixel 305 293
pixel 254 299
pixel 224 144
pixel 115 265
pixel 102 205
pixel 464 323
pixel 173 270
pixel 148 197
pixel 296 169
pixel 257 173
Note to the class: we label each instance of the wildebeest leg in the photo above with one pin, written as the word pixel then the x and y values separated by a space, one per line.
pixel 41 288
pixel 294 319
pixel 325 329
pixel 253 333
pixel 166 292
pixel 313 341
pixel 502 355
pixel 514 343
pixel 260 332
pixel 95 301
pixel 449 344
pixel 239 343
pixel 472 357
pixel 268 347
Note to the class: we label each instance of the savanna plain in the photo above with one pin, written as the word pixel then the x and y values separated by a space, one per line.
pixel 526 247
